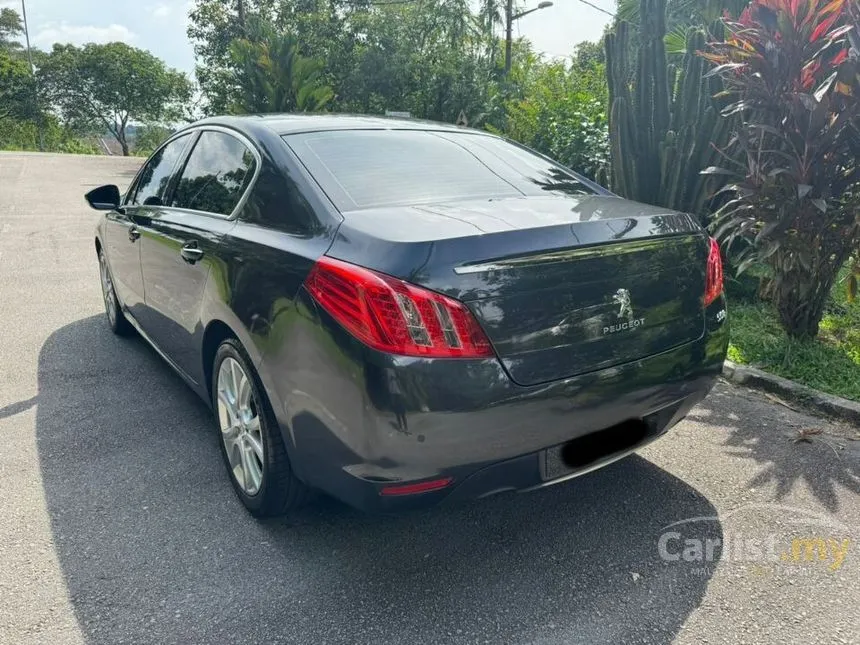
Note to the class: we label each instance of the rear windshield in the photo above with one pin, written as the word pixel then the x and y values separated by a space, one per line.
pixel 361 169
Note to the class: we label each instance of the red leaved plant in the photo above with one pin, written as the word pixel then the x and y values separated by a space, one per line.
pixel 790 68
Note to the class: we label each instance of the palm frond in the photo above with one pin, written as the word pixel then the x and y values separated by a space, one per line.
pixel 675 41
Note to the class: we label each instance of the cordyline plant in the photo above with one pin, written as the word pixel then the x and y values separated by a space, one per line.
pixel 791 68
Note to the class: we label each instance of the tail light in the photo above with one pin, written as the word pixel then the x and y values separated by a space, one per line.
pixel 714 277
pixel 394 316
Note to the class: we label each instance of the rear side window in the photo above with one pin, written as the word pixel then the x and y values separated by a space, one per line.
pixel 155 176
pixel 364 169
pixel 361 169
pixel 218 171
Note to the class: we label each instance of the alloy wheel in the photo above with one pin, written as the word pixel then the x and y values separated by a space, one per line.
pixel 239 419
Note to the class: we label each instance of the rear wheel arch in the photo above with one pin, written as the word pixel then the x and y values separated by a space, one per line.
pixel 216 333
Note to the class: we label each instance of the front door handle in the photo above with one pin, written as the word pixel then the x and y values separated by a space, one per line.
pixel 191 253
pixel 133 234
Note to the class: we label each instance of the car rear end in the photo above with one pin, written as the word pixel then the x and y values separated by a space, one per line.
pixel 523 330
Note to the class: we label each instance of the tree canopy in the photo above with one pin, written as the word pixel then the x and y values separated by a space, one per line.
pixel 10 29
pixel 430 59
pixel 435 60
pixel 109 85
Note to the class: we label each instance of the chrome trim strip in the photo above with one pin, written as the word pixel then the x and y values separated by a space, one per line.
pixel 615 248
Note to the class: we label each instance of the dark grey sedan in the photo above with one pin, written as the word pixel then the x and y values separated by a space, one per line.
pixel 399 313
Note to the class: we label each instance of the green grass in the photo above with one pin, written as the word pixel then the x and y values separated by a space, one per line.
pixel 830 363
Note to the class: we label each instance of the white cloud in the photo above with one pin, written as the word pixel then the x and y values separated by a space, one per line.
pixel 50 33
pixel 162 11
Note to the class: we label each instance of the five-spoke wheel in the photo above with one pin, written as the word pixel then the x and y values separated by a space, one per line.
pixel 240 426
pixel 251 440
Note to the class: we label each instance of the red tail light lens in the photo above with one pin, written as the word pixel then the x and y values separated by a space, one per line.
pixel 714 277
pixel 394 316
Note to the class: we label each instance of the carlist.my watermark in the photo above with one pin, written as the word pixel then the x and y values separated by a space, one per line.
pixel 813 542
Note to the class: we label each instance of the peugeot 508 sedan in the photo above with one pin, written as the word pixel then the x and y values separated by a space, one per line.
pixel 398 312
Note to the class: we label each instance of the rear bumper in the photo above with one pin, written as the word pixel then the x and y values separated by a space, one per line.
pixel 355 421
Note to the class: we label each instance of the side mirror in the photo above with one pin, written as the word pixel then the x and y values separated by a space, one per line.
pixel 104 198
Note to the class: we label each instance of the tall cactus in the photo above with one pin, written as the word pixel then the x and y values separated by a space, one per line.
pixel 664 125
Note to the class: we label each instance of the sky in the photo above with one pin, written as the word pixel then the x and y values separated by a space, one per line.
pixel 159 25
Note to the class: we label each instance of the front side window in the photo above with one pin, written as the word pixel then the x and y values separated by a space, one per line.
pixel 155 176
pixel 218 171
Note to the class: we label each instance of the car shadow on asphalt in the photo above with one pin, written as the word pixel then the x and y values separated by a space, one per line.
pixel 154 547
pixel 767 433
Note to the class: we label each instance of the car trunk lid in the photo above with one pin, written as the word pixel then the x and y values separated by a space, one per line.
pixel 562 287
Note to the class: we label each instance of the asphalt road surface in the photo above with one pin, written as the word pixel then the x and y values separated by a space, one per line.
pixel 118 524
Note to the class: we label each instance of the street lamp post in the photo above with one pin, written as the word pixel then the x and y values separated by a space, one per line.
pixel 510 17
pixel 33 72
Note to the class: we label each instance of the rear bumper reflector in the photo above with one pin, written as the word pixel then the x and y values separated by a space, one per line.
pixel 414 489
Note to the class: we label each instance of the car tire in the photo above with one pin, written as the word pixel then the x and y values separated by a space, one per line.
pixel 116 319
pixel 262 477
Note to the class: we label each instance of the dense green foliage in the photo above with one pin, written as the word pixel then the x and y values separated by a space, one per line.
pixel 271 75
pixel 434 60
pixel 424 58
pixel 17 134
pixel 683 13
pixel 793 74
pixel 10 28
pixel 17 87
pixel 17 90
pixel 562 113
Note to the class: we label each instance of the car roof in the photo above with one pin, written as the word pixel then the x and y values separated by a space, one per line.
pixel 287 123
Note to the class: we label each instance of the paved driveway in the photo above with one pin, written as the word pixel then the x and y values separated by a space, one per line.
pixel 118 525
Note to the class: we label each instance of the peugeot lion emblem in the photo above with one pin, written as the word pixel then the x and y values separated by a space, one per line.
pixel 622 297
pixel 624 320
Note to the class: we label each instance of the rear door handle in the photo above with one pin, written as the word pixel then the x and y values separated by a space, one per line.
pixel 133 233
pixel 191 253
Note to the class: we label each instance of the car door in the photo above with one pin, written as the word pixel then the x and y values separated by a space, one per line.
pixel 121 233
pixel 121 237
pixel 180 240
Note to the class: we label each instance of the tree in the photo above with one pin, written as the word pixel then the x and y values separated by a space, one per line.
pixel 17 91
pixel 270 75
pixel 795 183
pixel 428 58
pixel 16 87
pixel 10 29
pixel 110 85
pixel 212 26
